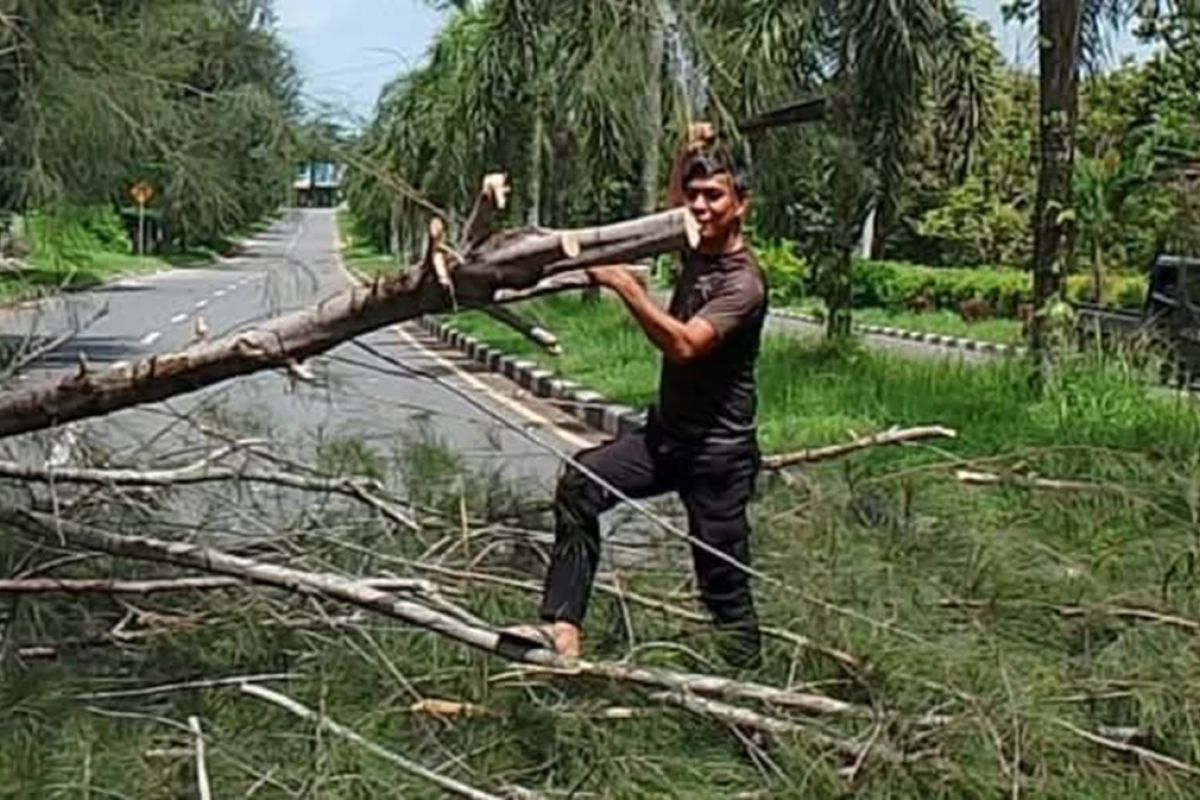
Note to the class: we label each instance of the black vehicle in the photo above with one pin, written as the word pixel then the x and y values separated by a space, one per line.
pixel 1168 325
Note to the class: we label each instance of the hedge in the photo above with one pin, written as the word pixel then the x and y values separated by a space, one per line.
pixel 890 284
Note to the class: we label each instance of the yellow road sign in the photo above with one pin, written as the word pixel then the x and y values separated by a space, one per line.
pixel 141 192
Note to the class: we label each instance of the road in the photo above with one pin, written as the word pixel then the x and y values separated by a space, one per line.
pixel 359 397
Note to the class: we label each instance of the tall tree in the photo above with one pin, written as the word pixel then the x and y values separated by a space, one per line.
pixel 1060 25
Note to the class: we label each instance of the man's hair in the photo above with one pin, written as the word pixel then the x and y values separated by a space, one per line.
pixel 718 160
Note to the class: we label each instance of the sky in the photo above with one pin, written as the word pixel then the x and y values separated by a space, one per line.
pixel 348 49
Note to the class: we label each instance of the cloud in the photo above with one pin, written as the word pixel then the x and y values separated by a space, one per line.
pixel 310 16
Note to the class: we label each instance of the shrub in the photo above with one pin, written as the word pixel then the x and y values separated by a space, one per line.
pixel 77 230
pixel 785 269
pixel 889 284
pixel 892 285
pixel 975 227
pixel 1123 291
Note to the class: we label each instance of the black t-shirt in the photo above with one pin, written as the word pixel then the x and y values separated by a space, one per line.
pixel 715 398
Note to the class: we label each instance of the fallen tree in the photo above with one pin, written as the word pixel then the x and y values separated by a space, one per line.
pixel 515 263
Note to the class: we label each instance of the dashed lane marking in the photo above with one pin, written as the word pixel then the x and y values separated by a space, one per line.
pixel 178 318
pixel 201 303
pixel 151 337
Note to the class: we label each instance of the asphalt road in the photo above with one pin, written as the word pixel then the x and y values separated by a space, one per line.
pixel 359 396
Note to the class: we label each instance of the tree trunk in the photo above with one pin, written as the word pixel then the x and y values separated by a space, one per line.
pixel 533 214
pixel 1059 27
pixel 839 323
pixel 395 247
pixel 501 262
pixel 1097 273
pixel 652 144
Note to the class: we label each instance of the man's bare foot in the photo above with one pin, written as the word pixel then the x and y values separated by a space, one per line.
pixel 561 637
pixel 568 639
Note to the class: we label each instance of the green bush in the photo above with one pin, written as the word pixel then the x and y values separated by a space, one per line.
pixel 1122 291
pixel 891 285
pixel 77 230
pixel 785 269
pixel 974 226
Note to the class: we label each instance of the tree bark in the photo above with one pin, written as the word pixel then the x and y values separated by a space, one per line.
pixel 534 213
pixel 652 143
pixel 1059 30
pixel 839 323
pixel 517 261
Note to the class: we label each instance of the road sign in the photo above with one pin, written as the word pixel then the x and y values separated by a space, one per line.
pixel 142 193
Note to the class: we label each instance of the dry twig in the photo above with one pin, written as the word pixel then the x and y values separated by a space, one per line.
pixel 892 436
pixel 325 723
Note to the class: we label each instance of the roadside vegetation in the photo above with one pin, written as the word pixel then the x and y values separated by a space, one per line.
pixel 196 99
pixel 993 624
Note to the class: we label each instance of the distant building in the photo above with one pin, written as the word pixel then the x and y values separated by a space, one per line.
pixel 319 185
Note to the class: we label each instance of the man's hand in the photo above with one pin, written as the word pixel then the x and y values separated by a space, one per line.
pixel 615 277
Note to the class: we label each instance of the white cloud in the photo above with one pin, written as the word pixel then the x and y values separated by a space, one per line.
pixel 310 16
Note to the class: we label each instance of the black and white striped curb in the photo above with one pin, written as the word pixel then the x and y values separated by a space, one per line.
pixel 592 408
pixel 942 340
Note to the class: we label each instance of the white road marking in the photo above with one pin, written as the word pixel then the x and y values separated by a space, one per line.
pixel 219 293
pixel 201 303
pixel 232 287
pixel 178 318
pixel 520 409
pixel 118 366
pixel 515 406
pixel 151 337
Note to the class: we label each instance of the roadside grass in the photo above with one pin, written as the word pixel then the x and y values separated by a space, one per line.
pixel 357 251
pixel 992 608
pixel 84 266
pixel 812 395
pixel 946 323
pixel 47 276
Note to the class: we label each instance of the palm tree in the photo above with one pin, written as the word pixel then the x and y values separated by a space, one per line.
pixel 872 61
pixel 1072 34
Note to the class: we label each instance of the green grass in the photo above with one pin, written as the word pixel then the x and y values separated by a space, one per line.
pixel 357 251
pixel 84 265
pixel 809 396
pixel 80 271
pixel 1004 331
pixel 950 594
pixel 947 323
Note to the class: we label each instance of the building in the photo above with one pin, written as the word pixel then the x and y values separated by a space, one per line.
pixel 318 185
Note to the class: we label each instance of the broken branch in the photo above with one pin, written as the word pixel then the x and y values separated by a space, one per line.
pixel 163 585
pixel 306 713
pixel 1128 748
pixel 891 436
pixel 202 787
pixel 520 261
pixel 973 478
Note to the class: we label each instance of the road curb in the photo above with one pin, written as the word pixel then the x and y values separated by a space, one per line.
pixel 590 407
pixel 941 340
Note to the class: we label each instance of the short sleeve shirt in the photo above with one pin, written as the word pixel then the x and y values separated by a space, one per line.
pixel 715 398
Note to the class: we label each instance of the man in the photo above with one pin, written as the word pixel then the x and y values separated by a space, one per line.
pixel 700 440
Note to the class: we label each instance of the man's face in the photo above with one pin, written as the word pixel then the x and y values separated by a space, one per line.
pixel 716 205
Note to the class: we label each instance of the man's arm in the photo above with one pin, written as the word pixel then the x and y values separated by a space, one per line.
pixel 680 342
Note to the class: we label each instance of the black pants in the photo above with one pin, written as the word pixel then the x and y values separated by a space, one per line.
pixel 715 483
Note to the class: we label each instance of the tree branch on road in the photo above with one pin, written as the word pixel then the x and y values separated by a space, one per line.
pixel 514 260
